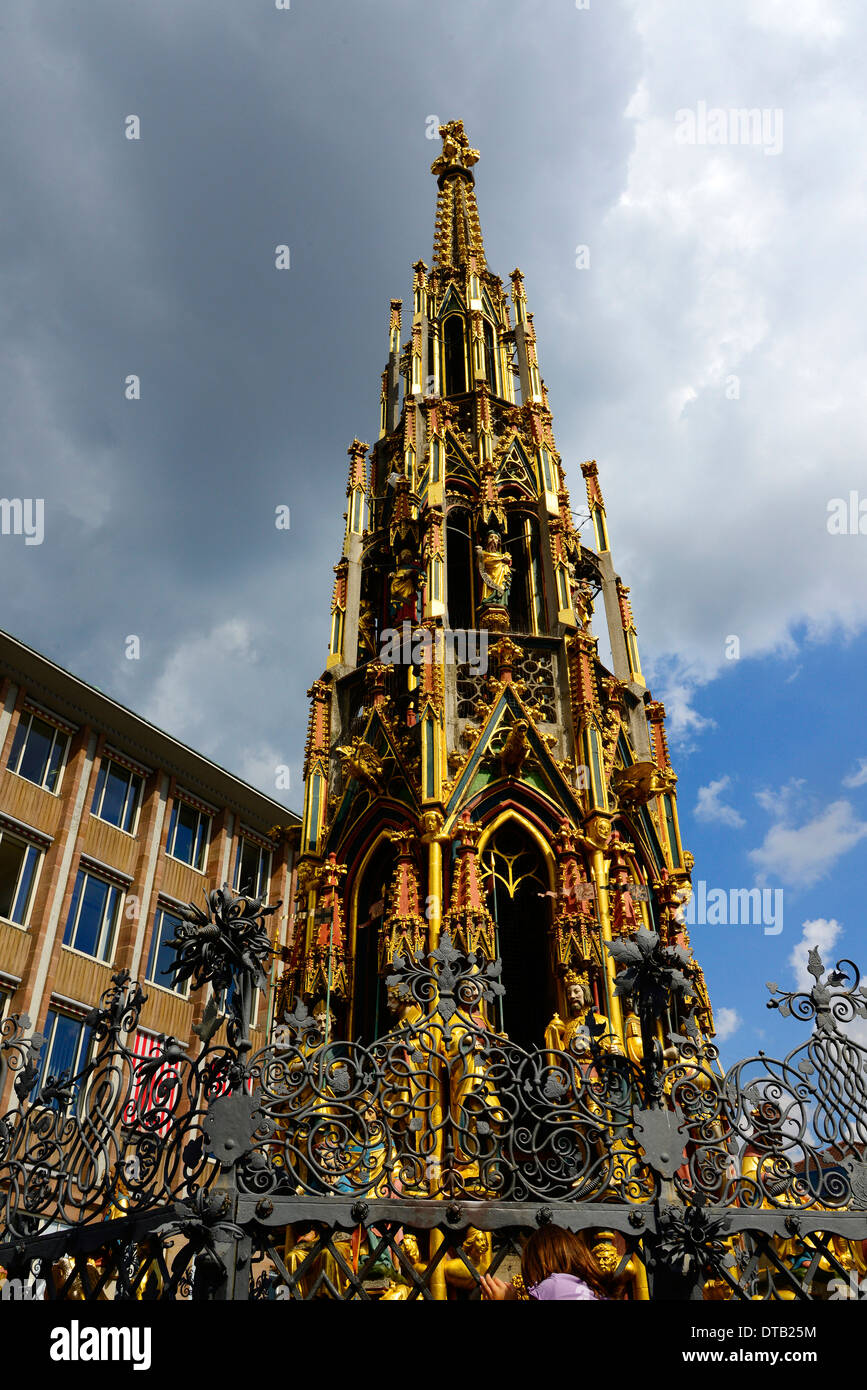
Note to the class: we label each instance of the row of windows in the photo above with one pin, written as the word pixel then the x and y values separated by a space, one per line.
pixel 95 911
pixel 69 1046
pixel 69 1043
pixel 38 754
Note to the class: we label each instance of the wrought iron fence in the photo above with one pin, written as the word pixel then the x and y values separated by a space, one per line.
pixel 316 1167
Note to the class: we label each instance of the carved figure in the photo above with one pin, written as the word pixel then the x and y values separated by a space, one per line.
pixel 495 570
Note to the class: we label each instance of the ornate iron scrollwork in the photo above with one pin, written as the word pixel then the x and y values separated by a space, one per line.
pixel 442 1107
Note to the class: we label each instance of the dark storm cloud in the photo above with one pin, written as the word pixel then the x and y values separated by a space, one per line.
pixel 156 257
pixel 307 127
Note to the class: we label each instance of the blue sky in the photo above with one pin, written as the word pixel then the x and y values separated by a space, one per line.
pixel 784 805
pixel 709 353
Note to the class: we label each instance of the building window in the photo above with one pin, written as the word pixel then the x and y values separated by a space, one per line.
pixel 252 869
pixel 91 926
pixel 188 834
pixel 227 996
pixel 66 1047
pixel 38 751
pixel 161 957
pixel 117 795
pixel 18 863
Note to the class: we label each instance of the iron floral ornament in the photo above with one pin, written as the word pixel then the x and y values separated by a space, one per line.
pixel 227 947
pixel 826 1007
pixel 654 979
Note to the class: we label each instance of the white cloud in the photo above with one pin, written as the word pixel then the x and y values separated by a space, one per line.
pixel 203 688
pixel 824 933
pixel 858 778
pixel 803 855
pixel 819 21
pixel 739 348
pixel 821 932
pixel 727 1021
pixel 678 683
pixel 258 765
pixel 784 802
pixel 196 674
pixel 711 807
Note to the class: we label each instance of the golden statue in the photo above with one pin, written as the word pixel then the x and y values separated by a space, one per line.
pixel 366 629
pixel 573 1035
pixel 86 1279
pixel 362 762
pixel 403 588
pixel 456 148
pixel 401 1288
pixel 495 569
pixel 582 595
pixel 513 753
pixel 605 1251
pixel 296 1251
pixel 477 1249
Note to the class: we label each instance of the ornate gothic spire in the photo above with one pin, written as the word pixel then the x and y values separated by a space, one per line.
pixel 465 721
pixel 458 234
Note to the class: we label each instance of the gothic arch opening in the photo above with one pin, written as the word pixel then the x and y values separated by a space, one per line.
pixel 525 598
pixel 369 1017
pixel 490 357
pixel 460 578
pixel 518 900
pixel 454 357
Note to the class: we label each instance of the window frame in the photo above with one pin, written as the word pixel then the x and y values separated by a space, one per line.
pixel 155 943
pixel 85 873
pixel 28 846
pixel 224 999
pixel 83 1048
pixel 59 733
pixel 244 840
pixel 107 762
pixel 171 837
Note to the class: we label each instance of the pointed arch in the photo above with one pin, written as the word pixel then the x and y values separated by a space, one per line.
pixel 526 600
pixel 454 355
pixel 514 467
pixel 518 864
pixel 488 306
pixel 489 339
pixel 459 464
pixel 453 303
pixel 370 885
pixel 511 813
pixel 460 578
